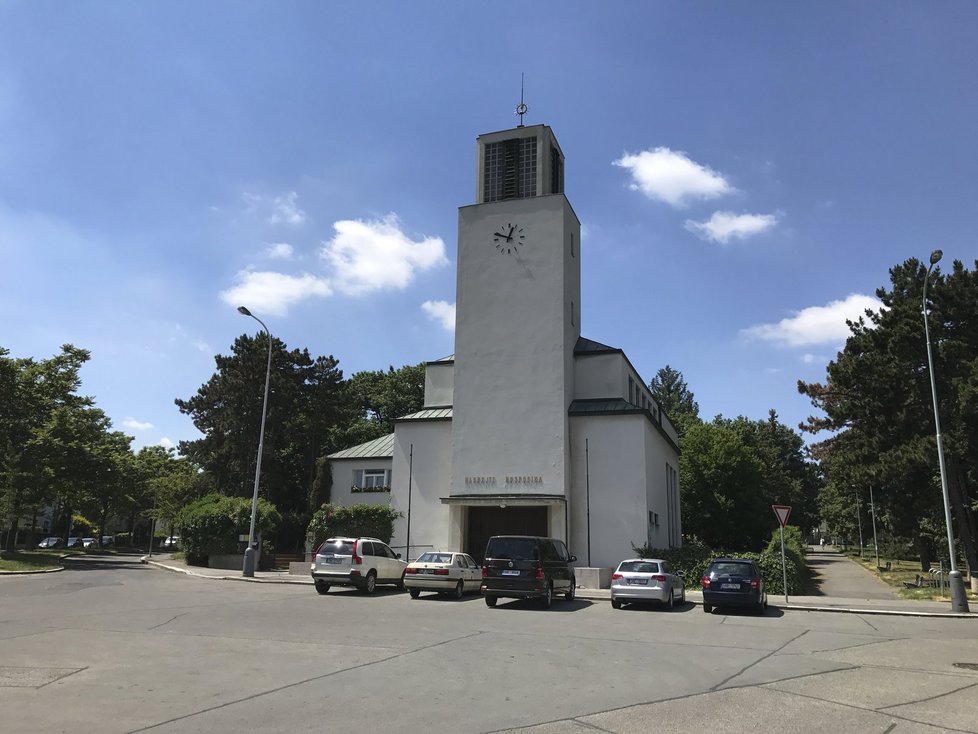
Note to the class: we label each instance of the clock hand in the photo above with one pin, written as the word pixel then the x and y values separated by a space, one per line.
pixel 504 236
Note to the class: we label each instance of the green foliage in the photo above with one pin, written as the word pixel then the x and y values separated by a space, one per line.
pixel 876 399
pixel 212 524
pixel 82 527
pixel 693 558
pixel 377 398
pixel 122 540
pixel 374 521
pixel 670 390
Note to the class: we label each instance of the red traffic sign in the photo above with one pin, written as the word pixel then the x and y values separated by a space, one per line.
pixel 782 511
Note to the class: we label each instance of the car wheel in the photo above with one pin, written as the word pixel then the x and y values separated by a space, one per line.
pixel 490 601
pixel 670 602
pixel 682 598
pixel 459 590
pixel 548 596
pixel 616 603
pixel 370 584
pixel 321 587
pixel 415 593
pixel 569 596
pixel 707 607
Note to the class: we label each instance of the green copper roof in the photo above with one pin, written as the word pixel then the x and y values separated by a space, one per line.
pixel 429 414
pixel 382 447
pixel 589 346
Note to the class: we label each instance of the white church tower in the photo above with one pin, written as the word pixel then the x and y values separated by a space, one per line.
pixel 517 321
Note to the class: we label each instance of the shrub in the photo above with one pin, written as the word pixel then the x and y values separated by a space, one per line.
pixel 374 521
pixel 212 524
pixel 123 540
pixel 81 526
pixel 692 560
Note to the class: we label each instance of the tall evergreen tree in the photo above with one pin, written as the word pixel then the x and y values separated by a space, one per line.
pixel 669 388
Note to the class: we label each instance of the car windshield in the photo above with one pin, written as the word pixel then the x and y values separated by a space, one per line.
pixel 639 567
pixel 731 569
pixel 337 547
pixel 513 548
pixel 435 558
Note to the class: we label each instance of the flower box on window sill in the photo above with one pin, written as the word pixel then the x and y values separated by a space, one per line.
pixel 355 488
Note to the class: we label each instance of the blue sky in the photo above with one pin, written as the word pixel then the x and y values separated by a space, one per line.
pixel 745 173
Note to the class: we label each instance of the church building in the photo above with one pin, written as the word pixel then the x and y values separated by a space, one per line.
pixel 529 428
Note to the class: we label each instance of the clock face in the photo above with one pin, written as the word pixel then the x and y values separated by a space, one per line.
pixel 508 237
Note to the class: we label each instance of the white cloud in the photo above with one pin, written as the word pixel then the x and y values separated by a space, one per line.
pixel 808 358
pixel 280 251
pixel 203 346
pixel 377 255
pixel 166 443
pixel 285 211
pixel 442 311
pixel 815 324
pixel 670 176
pixel 725 226
pixel 133 425
pixel 273 293
pixel 275 210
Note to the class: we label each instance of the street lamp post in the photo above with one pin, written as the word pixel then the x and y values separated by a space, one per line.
pixel 249 555
pixel 959 601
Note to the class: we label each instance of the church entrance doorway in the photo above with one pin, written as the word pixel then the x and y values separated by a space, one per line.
pixel 484 522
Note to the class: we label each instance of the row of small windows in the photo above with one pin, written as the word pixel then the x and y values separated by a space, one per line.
pixel 510 169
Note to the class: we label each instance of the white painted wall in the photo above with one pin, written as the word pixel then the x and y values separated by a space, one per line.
pixel 343 474
pixel 598 376
pixel 514 347
pixel 615 465
pixel 432 446
pixel 439 384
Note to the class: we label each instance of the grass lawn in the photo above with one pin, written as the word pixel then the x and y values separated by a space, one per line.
pixel 906 571
pixel 30 561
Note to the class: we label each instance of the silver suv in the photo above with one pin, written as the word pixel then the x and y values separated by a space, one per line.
pixel 359 562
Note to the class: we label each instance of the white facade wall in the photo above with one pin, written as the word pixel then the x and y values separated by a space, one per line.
pixel 431 442
pixel 439 384
pixel 514 346
pixel 344 471
pixel 660 457
pixel 614 466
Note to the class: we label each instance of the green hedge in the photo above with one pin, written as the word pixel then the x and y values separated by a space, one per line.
pixel 212 524
pixel 693 559
pixel 372 521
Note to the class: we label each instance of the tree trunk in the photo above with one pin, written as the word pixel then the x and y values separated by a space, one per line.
pixel 923 547
pixel 961 509
pixel 11 544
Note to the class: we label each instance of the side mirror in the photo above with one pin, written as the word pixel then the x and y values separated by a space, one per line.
pixel 397 555
pixel 573 559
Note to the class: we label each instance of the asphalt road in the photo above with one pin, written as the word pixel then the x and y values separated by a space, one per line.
pixel 113 646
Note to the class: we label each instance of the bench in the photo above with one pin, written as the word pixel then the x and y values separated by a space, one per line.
pixel 919 582
pixel 884 568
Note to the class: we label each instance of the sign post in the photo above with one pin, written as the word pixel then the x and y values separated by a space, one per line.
pixel 782 512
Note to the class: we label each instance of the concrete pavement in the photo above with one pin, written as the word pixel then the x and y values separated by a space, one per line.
pixel 844 586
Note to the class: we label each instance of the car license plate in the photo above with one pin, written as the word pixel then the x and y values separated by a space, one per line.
pixel 334 560
pixel 639 582
pixel 729 586
pixel 425 570
pixel 511 572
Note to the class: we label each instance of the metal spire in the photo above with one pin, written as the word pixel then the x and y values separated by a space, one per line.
pixel 521 108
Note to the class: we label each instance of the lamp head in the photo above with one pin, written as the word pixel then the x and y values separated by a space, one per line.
pixel 935 256
pixel 243 311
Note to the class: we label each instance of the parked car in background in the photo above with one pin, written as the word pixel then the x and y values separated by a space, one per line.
pixel 359 562
pixel 646 580
pixel 444 572
pixel 89 543
pixel 74 543
pixel 733 582
pixel 50 543
pixel 527 567
pixel 107 540
pixel 171 543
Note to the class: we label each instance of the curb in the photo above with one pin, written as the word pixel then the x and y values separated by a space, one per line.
pixel 601 597
pixel 31 573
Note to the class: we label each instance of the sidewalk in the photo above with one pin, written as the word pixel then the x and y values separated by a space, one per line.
pixel 855 604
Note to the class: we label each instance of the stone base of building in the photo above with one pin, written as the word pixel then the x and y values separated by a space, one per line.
pixel 593 578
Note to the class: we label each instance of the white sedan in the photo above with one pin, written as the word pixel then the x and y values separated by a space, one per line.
pixel 445 572
pixel 644 580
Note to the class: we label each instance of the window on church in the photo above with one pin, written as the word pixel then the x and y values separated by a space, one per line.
pixel 572 244
pixel 572 314
pixel 371 480
pixel 510 169
pixel 556 171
